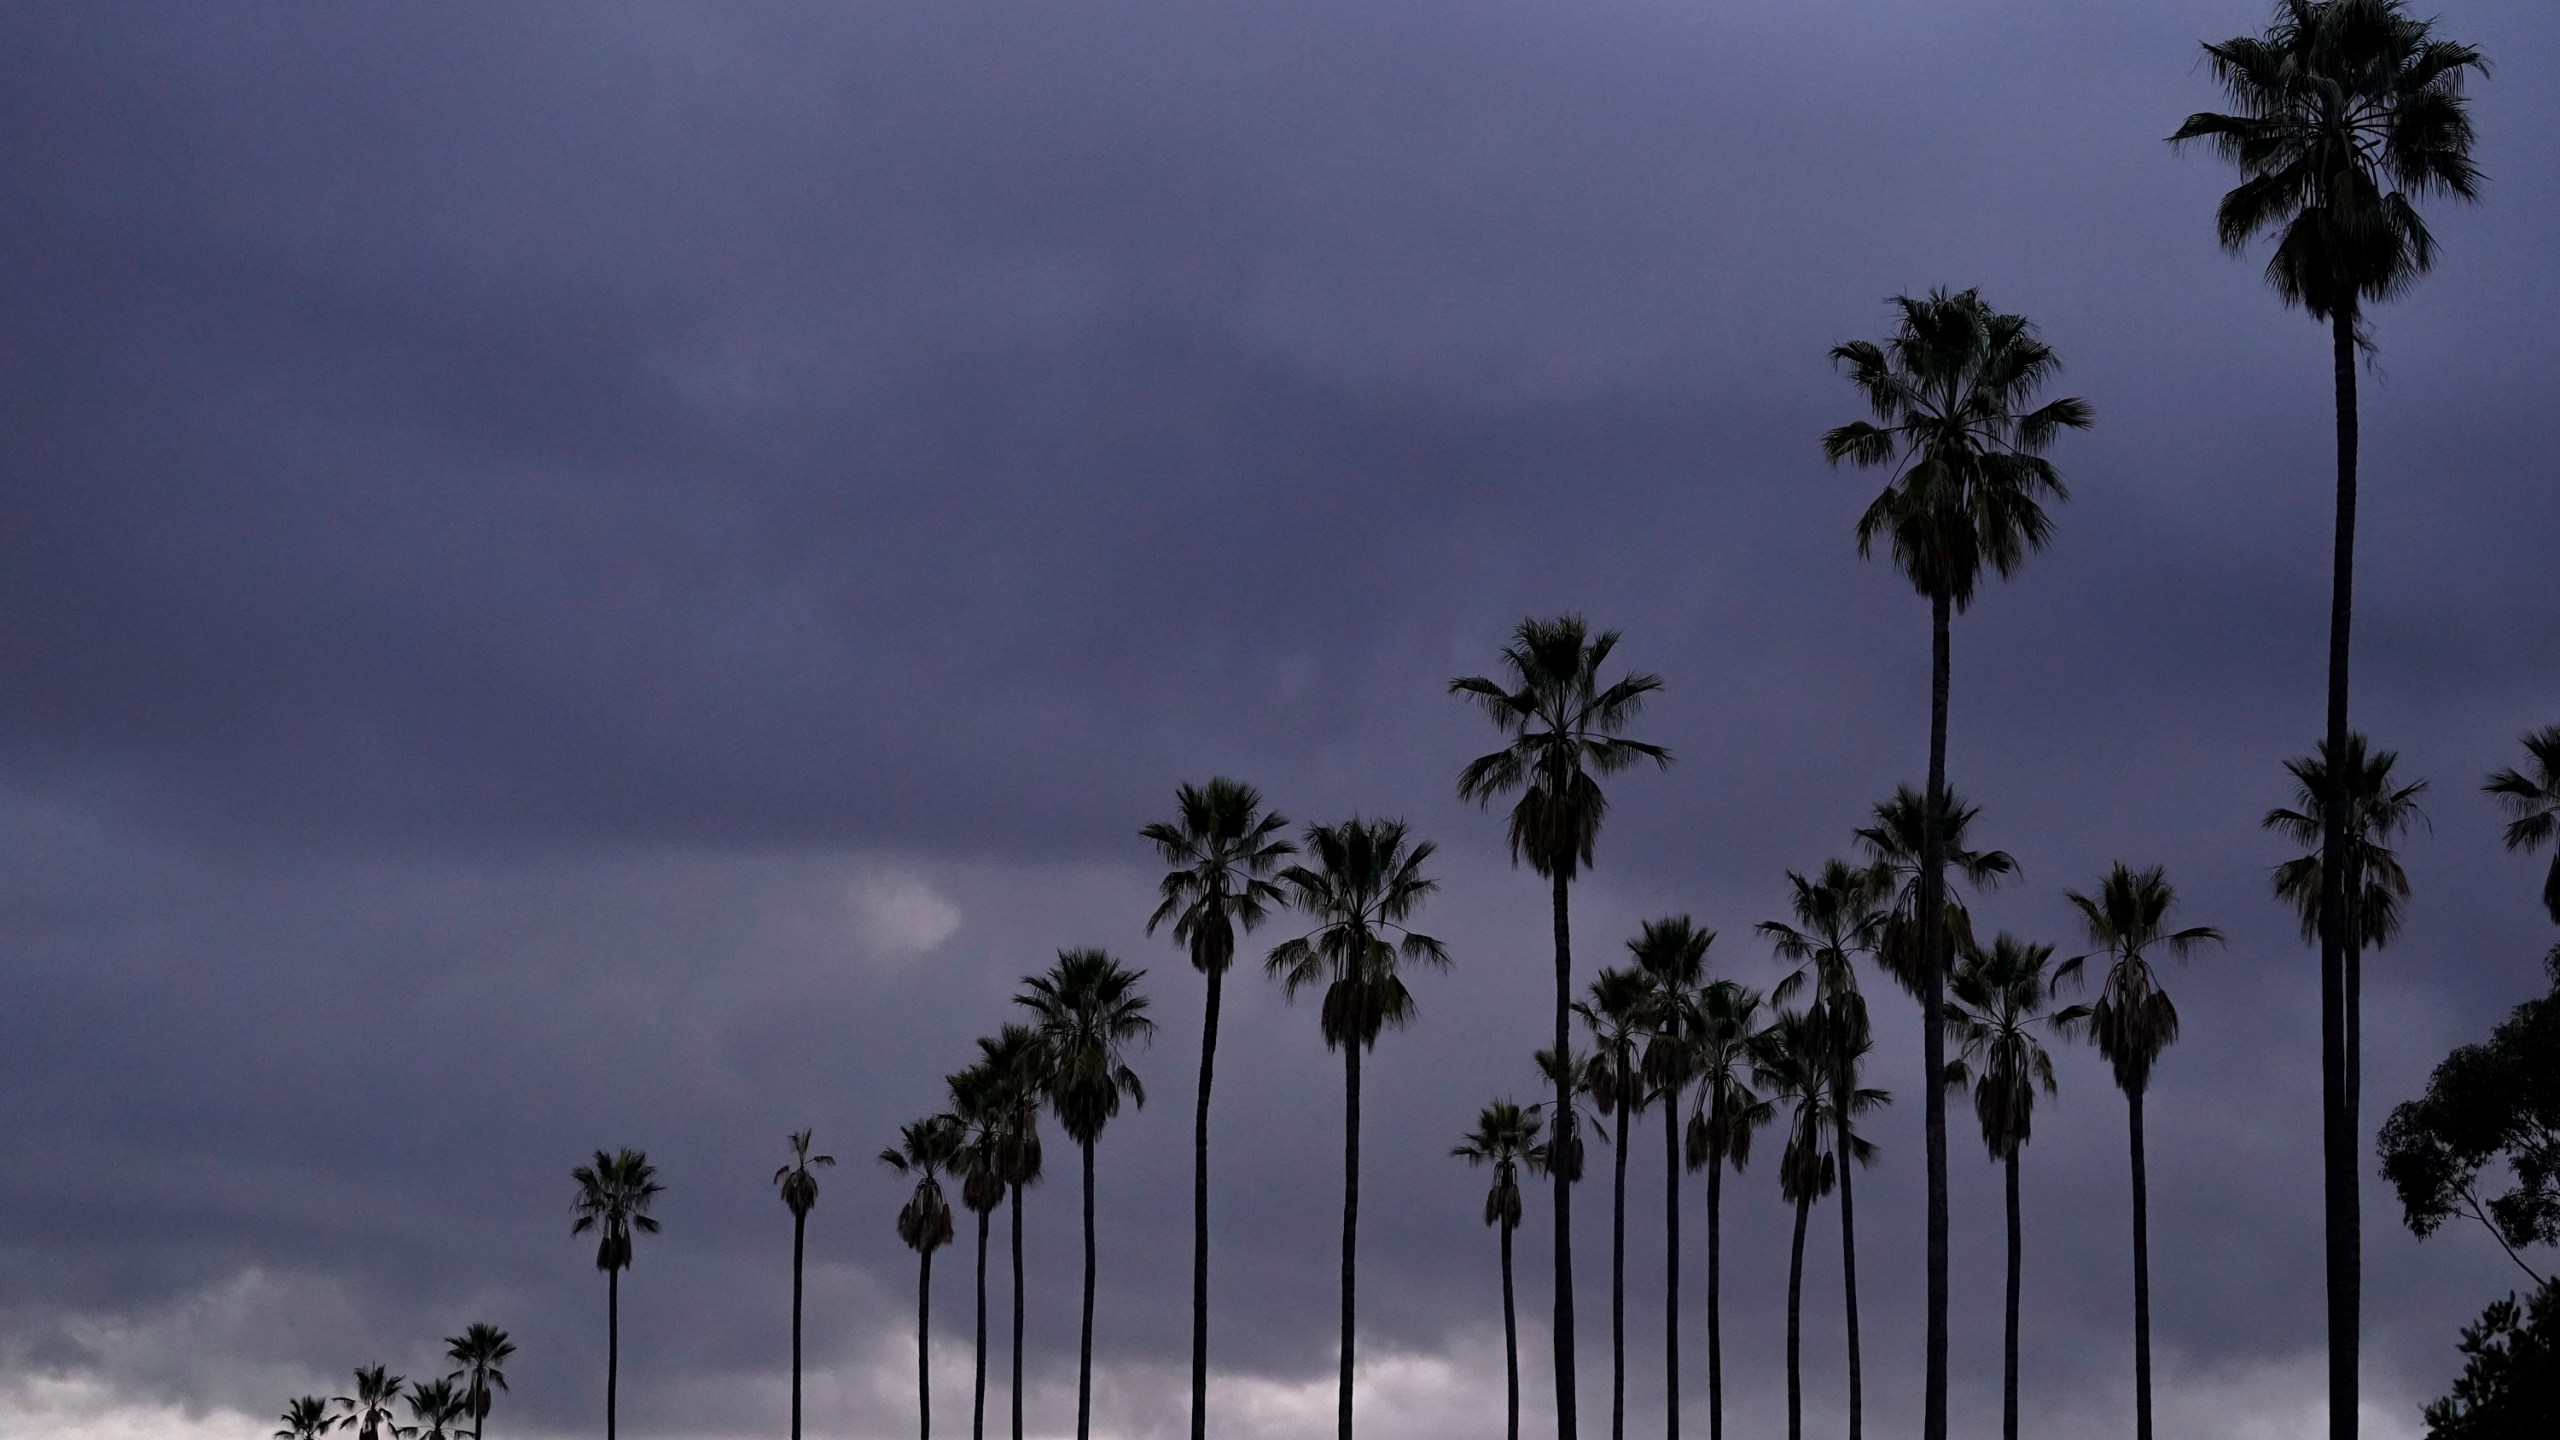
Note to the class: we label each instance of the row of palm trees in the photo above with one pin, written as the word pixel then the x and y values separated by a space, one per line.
pixel 438 1408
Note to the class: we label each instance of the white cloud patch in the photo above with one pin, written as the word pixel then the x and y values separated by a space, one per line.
pixel 898 914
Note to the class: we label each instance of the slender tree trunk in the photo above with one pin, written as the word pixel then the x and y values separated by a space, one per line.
pixel 1084 1346
pixel 1715 1286
pixel 1849 1280
pixel 924 1347
pixel 2141 1273
pixel 1510 1337
pixel 612 1344
pixel 1795 1328
pixel 1200 1215
pixel 1933 1027
pixel 2338 1128
pixel 1567 1426
pixel 1671 1266
pixel 2009 1341
pixel 1017 1313
pixel 799 1249
pixel 978 1396
pixel 1350 1218
pixel 1618 1264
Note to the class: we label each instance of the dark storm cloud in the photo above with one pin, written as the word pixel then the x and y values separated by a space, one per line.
pixel 524 525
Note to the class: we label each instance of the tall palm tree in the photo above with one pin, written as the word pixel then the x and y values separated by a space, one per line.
pixel 1017 1060
pixel 1505 1134
pixel 1838 917
pixel 925 1149
pixel 479 1354
pixel 1617 1012
pixel 2534 800
pixel 977 1100
pixel 2344 113
pixel 1089 1013
pixel 308 1419
pixel 434 1407
pixel 1951 393
pixel 1563 727
pixel 1720 1129
pixel 1359 894
pixel 1672 952
pixel 2131 1022
pixel 1220 852
pixel 614 1195
pixel 1998 1000
pixel 368 1411
pixel 2378 810
pixel 799 1184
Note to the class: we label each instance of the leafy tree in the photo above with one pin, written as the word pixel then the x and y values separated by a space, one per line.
pixel 368 1411
pixel 1997 1002
pixel 798 1182
pixel 2509 1388
pixel 2344 114
pixel 434 1408
pixel 614 1195
pixel 480 1353
pixel 1720 1129
pixel 308 1419
pixel 1088 1012
pixel 925 1149
pixel 2489 1105
pixel 1220 850
pixel 1505 1135
pixel 1672 952
pixel 2132 1022
pixel 977 1101
pixel 1364 886
pixel 1017 1062
pixel 1564 729
pixel 1951 393
pixel 2532 796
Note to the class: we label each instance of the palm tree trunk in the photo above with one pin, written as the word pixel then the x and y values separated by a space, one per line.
pixel 1084 1345
pixel 1510 1338
pixel 1795 1329
pixel 1200 1215
pixel 2009 1342
pixel 1849 1281
pixel 612 1344
pixel 1715 1285
pixel 1350 1217
pixel 799 1249
pixel 1017 1312
pixel 978 1397
pixel 2338 1128
pixel 1618 1266
pixel 1567 1426
pixel 2141 1273
pixel 1933 1027
pixel 924 1347
pixel 1671 1266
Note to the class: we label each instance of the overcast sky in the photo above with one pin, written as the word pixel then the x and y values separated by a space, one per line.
pixel 581 576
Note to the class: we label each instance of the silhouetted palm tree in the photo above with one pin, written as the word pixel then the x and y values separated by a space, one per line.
pixel 1505 1135
pixel 1617 1013
pixel 2344 111
pixel 1896 846
pixel 1720 1131
pixel 925 1149
pixel 434 1407
pixel 799 1184
pixel 481 1353
pixel 368 1411
pixel 1017 1061
pixel 2132 1022
pixel 1998 999
pixel 1952 391
pixel 1364 886
pixel 1838 917
pixel 1789 1060
pixel 1222 850
pixel 614 1195
pixel 1672 952
pixel 1089 1013
pixel 306 1419
pixel 977 1100
pixel 2532 796
pixel 1564 728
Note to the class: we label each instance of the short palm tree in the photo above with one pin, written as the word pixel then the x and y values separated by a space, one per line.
pixel 2131 1022
pixel 368 1411
pixel 434 1409
pixel 1952 393
pixel 1089 1014
pixel 306 1419
pixel 977 1100
pixel 1017 1062
pixel 1362 888
pixel 1998 1000
pixel 614 1196
pixel 1791 1064
pixel 1618 1014
pixel 1220 850
pixel 1505 1134
pixel 2532 797
pixel 2345 113
pixel 925 1149
pixel 798 1182
pixel 1720 1129
pixel 480 1354
pixel 1563 726
pixel 1672 952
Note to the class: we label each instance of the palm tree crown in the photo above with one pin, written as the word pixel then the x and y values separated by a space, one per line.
pixel 2132 1020
pixel 1365 884
pixel 1220 855
pixel 614 1195
pixel 1839 916
pixel 368 1410
pixel 306 1419
pixel 1564 725
pixel 1728 1109
pixel 925 1149
pixel 1506 1134
pixel 798 1182
pixel 1088 1012
pixel 1672 954
pixel 434 1406
pixel 2533 799
pixel 1896 845
pixel 479 1353
pixel 1997 999
pixel 2377 811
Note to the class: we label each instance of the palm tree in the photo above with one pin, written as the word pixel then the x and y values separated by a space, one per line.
pixel 1017 1060
pixel 977 1099
pixel 799 1183
pixel 434 1406
pixel 1562 727
pixel 308 1419
pixel 2344 112
pixel 480 1352
pixel 368 1411
pixel 1088 1012
pixel 1896 846
pixel 1364 886
pixel 2377 811
pixel 1672 952
pixel 1505 1134
pixel 925 1149
pixel 1617 1012
pixel 1951 391
pixel 1998 999
pixel 2132 1022
pixel 1791 1062
pixel 2534 800
pixel 1221 851
pixel 614 1195
pixel 1841 918
pixel 1720 1130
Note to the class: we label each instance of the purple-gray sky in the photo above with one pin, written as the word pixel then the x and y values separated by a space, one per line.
pixel 612 575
